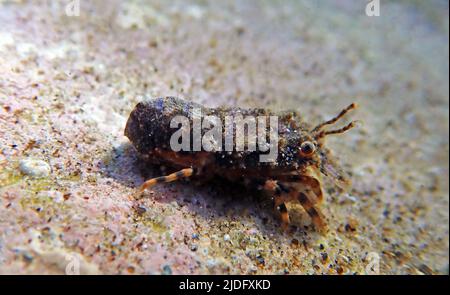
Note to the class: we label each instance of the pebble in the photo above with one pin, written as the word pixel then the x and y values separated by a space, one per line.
pixel 351 198
pixel 226 237
pixel 28 257
pixel 211 263
pixel 252 231
pixel 167 270
pixel 35 168
pixel 261 260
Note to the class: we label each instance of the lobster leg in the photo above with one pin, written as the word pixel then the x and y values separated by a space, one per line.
pixel 283 193
pixel 317 217
pixel 280 206
pixel 183 173
pixel 309 182
pixel 280 196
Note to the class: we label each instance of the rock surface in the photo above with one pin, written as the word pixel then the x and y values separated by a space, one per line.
pixel 68 83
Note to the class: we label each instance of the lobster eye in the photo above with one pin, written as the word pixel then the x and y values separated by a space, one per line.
pixel 307 148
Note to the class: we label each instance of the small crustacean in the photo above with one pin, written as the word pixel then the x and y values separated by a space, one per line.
pixel 294 175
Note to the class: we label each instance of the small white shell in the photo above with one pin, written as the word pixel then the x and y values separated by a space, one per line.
pixel 34 167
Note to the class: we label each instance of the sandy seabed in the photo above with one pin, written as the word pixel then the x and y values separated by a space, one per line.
pixel 67 173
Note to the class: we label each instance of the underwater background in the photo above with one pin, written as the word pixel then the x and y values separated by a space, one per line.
pixel 70 75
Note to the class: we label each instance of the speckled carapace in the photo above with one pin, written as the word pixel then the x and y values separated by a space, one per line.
pixel 294 175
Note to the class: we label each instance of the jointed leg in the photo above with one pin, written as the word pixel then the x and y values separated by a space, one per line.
pixel 308 181
pixel 169 178
pixel 280 206
pixel 315 214
pixel 280 196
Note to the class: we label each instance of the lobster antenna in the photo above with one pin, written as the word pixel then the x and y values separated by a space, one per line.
pixel 337 131
pixel 335 119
